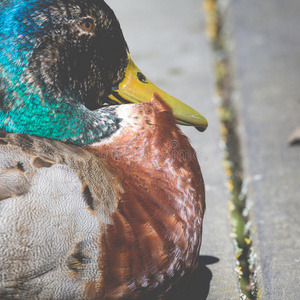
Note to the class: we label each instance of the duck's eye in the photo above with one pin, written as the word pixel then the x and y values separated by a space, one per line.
pixel 87 25
pixel 141 77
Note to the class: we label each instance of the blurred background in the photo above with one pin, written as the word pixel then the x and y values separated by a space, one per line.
pixel 237 63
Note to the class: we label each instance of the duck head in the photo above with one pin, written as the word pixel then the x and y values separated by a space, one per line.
pixel 60 60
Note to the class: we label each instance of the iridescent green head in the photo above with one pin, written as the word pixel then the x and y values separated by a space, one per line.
pixel 60 60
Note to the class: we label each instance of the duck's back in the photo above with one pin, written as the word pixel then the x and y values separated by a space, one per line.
pixel 51 211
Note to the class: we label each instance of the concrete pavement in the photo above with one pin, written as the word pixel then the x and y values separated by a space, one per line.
pixel 267 58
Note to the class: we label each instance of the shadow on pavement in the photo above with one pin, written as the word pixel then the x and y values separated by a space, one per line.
pixel 198 286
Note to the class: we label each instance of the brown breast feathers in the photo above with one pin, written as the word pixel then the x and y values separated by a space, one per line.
pixel 155 235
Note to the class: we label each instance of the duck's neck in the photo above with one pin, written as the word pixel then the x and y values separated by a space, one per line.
pixel 62 120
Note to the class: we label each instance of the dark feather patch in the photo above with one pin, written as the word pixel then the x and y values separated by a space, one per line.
pixel 88 198
pixel 25 141
pixel 20 166
pixel 78 259
pixel 3 142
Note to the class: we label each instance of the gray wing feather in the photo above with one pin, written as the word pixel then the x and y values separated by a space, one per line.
pixel 54 201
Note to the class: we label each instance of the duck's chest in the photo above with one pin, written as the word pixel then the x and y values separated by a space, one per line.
pixel 155 235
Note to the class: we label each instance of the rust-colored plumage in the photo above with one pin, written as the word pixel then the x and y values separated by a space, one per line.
pixel 155 234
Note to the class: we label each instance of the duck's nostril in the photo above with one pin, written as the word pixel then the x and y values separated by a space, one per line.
pixel 141 77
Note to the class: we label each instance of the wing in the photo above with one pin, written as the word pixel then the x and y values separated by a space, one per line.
pixel 54 200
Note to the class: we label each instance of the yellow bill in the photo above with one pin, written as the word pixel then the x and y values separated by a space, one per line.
pixel 135 88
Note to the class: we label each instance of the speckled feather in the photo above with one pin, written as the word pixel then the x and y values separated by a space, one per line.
pixel 54 201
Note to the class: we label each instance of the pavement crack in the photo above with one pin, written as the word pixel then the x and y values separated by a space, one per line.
pixel 225 92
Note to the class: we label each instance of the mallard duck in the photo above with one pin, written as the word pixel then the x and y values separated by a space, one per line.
pixel 96 202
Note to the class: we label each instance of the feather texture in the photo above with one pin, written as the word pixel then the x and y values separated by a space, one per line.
pixel 110 220
pixel 119 216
